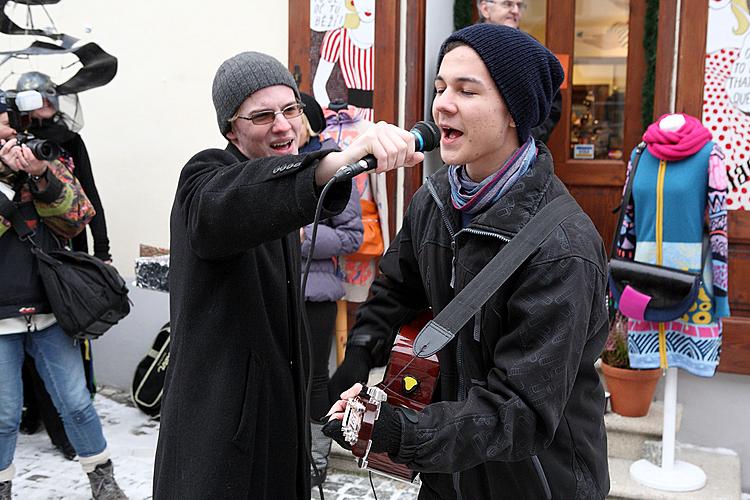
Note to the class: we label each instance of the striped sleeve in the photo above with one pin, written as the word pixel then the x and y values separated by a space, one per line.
pixel 330 48
pixel 718 187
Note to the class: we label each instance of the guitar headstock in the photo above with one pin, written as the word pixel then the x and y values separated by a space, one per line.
pixel 359 419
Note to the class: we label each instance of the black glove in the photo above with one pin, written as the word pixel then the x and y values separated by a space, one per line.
pixel 355 368
pixel 386 435
pixel 333 430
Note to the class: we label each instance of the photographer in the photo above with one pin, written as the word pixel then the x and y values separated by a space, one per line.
pixel 44 195
pixel 49 125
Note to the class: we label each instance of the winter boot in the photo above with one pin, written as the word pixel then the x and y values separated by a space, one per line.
pixel 321 448
pixel 103 484
pixel 5 490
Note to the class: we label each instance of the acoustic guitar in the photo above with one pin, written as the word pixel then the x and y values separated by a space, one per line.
pixel 409 382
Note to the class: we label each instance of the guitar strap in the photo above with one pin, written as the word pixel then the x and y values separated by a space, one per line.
pixel 464 306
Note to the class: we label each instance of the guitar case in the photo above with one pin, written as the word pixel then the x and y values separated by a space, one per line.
pixel 148 381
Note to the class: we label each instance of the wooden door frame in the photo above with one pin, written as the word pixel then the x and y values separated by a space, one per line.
pixel 560 37
pixel 416 13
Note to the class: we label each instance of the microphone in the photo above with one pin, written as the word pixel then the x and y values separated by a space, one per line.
pixel 427 136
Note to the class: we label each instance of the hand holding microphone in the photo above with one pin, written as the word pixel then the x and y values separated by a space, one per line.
pixel 383 147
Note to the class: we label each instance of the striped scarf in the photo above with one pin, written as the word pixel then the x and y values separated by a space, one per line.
pixel 474 197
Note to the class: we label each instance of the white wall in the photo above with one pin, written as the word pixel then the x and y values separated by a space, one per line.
pixel 143 126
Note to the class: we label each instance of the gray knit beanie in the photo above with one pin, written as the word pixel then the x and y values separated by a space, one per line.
pixel 525 72
pixel 240 77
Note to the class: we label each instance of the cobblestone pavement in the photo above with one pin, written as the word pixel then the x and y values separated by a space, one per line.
pixel 341 485
pixel 44 474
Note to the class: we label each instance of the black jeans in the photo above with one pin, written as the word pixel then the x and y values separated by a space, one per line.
pixel 322 318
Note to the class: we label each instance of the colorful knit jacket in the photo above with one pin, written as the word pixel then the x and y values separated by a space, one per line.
pixel 679 189
pixel 715 203
pixel 62 206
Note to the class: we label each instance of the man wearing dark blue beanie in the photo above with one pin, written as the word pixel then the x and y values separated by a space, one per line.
pixel 518 409
pixel 526 74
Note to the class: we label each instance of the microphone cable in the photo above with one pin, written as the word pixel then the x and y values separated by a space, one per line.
pixel 308 335
pixel 427 136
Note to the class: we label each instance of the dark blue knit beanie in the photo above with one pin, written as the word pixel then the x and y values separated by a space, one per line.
pixel 525 72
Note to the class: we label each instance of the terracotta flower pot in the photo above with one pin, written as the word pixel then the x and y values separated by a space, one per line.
pixel 631 391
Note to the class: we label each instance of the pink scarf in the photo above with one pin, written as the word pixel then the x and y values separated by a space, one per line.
pixel 683 142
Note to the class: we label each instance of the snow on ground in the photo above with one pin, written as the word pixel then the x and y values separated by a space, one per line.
pixel 42 473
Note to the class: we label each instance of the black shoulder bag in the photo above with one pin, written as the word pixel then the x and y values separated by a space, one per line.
pixel 646 291
pixel 86 295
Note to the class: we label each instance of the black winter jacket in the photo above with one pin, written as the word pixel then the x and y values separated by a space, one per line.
pixel 232 421
pixel 85 175
pixel 518 413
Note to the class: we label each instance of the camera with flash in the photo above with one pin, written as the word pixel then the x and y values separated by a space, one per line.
pixel 20 105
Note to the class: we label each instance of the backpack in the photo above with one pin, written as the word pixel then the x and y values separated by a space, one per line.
pixel 148 380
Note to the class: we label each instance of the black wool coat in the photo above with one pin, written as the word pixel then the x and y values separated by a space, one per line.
pixel 232 416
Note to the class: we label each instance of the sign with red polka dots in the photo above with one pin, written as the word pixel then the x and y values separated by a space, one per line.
pixel 726 92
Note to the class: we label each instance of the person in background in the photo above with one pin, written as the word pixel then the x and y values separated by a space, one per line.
pixel 49 199
pixel 509 13
pixel 49 122
pixel 337 235
pixel 313 123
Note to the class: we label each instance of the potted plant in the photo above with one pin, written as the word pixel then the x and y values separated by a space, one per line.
pixel 631 390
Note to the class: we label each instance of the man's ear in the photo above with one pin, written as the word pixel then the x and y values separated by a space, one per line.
pixel 484 10
pixel 231 135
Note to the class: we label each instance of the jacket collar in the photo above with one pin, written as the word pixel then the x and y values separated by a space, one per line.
pixel 231 148
pixel 515 208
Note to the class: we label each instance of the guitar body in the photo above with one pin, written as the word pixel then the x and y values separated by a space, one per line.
pixel 409 382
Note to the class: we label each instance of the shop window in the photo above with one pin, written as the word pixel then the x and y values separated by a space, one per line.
pixel 534 19
pixel 598 79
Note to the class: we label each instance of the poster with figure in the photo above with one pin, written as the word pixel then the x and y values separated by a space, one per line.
pixel 726 92
pixel 348 28
pixel 342 54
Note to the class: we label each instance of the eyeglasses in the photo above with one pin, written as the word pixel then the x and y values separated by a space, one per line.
pixel 268 116
pixel 508 4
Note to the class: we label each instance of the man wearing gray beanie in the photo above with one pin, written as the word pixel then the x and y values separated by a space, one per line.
pixel 232 419
pixel 518 410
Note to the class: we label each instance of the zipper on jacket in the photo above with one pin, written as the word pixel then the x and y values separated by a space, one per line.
pixel 459 348
pixel 659 230
pixel 457 485
pixel 542 476
pixel 453 264
pixel 479 232
pixel 448 226
pixel 441 207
